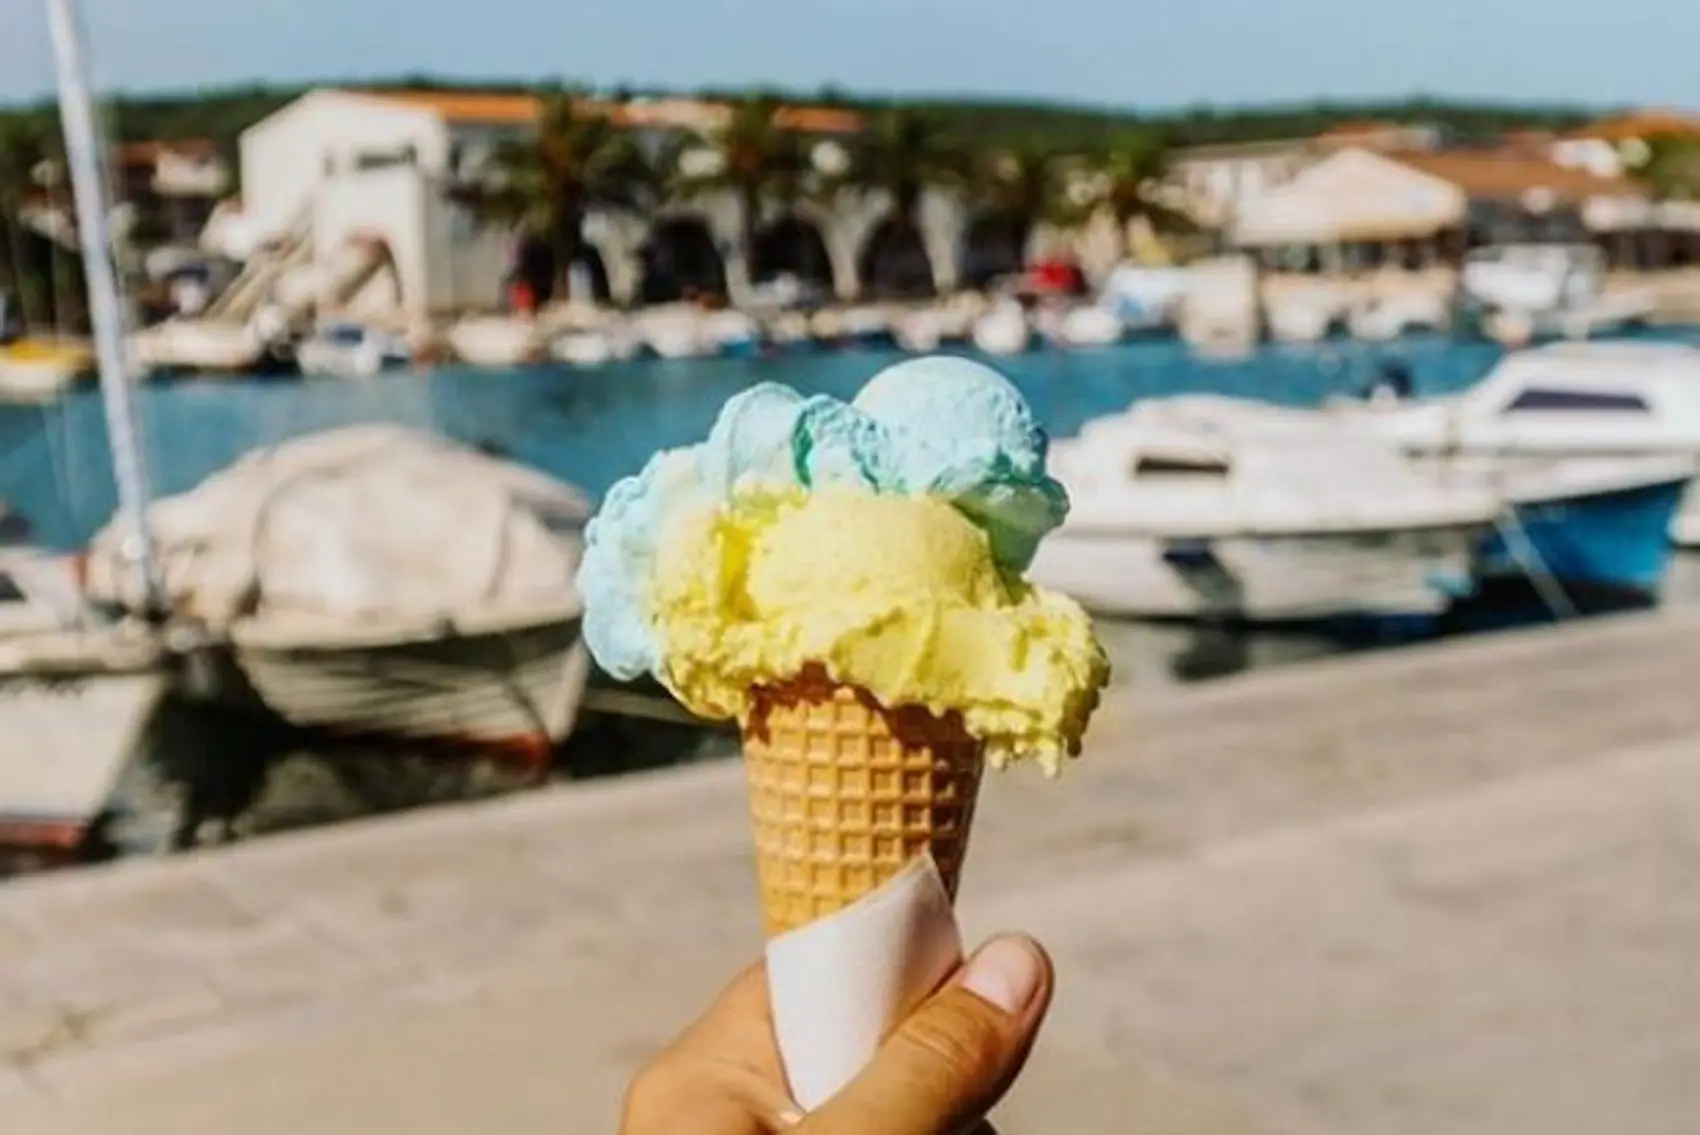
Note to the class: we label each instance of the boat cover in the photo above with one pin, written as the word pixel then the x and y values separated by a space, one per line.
pixel 368 522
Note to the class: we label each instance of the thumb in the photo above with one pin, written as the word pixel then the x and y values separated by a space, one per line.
pixel 955 1057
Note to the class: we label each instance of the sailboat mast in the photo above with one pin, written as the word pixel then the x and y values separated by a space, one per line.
pixel 85 152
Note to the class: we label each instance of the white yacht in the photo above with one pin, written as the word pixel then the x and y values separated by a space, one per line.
pixel 1588 529
pixel 1538 291
pixel 1004 330
pixel 1171 520
pixel 497 342
pixel 351 350
pixel 1559 400
pixel 76 699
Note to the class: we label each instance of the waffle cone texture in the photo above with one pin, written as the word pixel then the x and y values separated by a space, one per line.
pixel 844 793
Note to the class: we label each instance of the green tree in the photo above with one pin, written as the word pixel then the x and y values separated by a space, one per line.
pixel 1013 190
pixel 1125 178
pixel 1672 167
pixel 755 160
pixel 579 159
pixel 23 147
pixel 902 154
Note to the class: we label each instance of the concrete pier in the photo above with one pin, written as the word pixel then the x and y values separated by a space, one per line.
pixel 1454 888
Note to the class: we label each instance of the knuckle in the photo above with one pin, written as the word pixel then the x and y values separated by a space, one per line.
pixel 958 1038
pixel 647 1096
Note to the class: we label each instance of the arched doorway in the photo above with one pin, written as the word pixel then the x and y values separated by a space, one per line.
pixel 681 261
pixel 534 264
pixel 894 262
pixel 993 245
pixel 793 246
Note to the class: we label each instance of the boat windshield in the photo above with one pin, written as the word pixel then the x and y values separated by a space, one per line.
pixel 1152 465
pixel 344 335
pixel 1549 398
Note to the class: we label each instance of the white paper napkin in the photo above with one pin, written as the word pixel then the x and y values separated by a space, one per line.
pixel 839 984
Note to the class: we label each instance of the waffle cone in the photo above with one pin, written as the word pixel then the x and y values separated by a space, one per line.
pixel 844 793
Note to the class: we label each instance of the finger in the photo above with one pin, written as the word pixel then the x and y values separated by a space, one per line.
pixel 955 1057
pixel 731 1045
pixel 743 1000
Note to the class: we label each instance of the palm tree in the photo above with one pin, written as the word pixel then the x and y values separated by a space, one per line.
pixel 579 160
pixel 901 155
pixel 1015 190
pixel 755 160
pixel 1672 167
pixel 1125 180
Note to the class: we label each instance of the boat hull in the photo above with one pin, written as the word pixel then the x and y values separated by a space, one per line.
pixel 38 380
pixel 82 732
pixel 1270 579
pixel 1613 543
pixel 515 689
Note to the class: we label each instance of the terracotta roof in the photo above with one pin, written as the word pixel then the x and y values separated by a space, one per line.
pixel 483 108
pixel 1358 128
pixel 1509 174
pixel 819 120
pixel 1642 124
pixel 149 152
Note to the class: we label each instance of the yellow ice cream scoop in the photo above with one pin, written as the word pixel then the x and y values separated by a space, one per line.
pixel 897 595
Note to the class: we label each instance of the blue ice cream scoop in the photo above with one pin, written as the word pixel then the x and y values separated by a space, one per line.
pixel 938 425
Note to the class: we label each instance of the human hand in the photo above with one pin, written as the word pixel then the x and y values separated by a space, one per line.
pixel 938 1073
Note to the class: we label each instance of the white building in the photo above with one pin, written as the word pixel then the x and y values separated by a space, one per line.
pixel 355 170
pixel 1218 181
pixel 1613 147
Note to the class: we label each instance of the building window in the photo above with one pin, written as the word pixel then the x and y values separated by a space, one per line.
pixel 407 155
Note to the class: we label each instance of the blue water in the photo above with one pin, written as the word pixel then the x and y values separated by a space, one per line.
pixel 594 426
pixel 591 427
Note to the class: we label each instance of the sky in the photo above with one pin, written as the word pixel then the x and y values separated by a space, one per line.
pixel 1126 53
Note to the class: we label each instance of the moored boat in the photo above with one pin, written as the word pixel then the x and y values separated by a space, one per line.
pixel 1176 523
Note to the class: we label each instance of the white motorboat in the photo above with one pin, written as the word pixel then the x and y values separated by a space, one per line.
pixel 1385 318
pixel 351 350
pixel 199 346
pixel 1559 400
pixel 1530 291
pixel 40 370
pixel 380 581
pixel 76 692
pixel 733 334
pixel 1220 313
pixel 1004 330
pixel 497 341
pixel 1144 299
pixel 507 680
pixel 919 332
pixel 1588 530
pixel 1089 326
pixel 676 332
pixel 864 325
pixel 582 348
pixel 1171 521
pixel 1305 317
pixel 72 734
pixel 77 696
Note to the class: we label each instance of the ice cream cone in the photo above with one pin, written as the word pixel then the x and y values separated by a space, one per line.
pixel 845 792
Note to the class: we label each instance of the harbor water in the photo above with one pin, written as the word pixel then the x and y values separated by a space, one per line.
pixel 591 427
